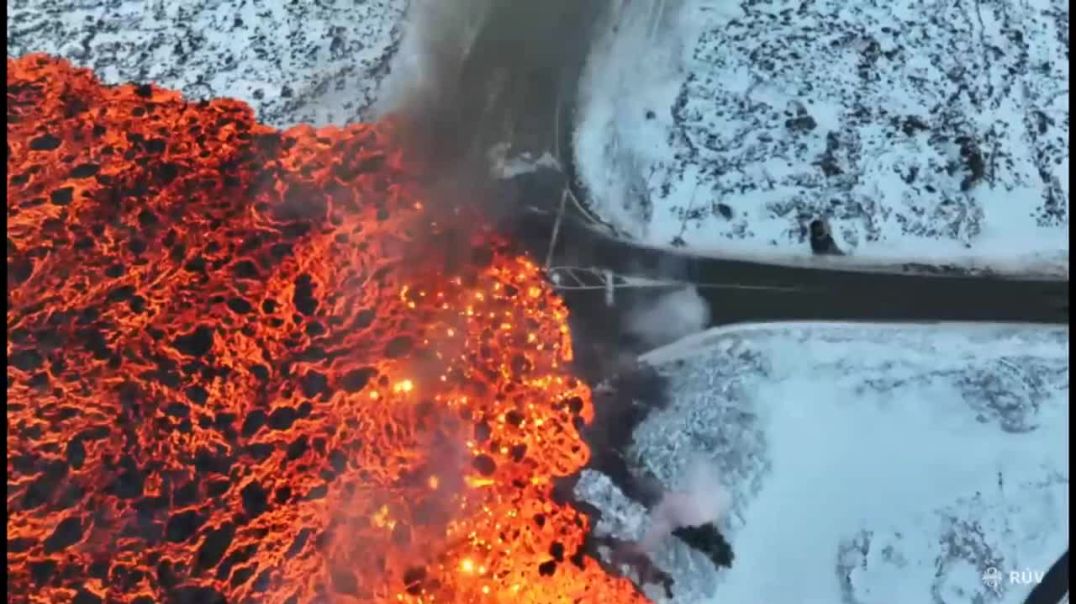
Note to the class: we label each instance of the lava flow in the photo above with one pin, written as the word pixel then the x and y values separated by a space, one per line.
pixel 232 379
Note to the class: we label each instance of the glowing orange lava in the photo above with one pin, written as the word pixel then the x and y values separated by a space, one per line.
pixel 230 380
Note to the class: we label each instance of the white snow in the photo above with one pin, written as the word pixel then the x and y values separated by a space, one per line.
pixel 748 120
pixel 867 463
pixel 505 166
pixel 294 62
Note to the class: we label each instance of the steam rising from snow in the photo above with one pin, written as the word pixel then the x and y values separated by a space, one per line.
pixel 701 499
pixel 670 317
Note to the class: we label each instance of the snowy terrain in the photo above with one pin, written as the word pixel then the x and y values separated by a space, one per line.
pixel 922 131
pixel 312 61
pixel 867 464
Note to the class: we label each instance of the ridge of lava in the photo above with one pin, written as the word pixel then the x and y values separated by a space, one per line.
pixel 232 377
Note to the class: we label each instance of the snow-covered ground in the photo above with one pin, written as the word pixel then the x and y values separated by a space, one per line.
pixel 311 61
pixel 867 464
pixel 922 131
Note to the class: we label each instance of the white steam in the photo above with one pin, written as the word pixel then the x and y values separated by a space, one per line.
pixel 701 499
pixel 669 318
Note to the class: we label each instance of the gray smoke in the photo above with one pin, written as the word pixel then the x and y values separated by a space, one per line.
pixel 474 74
pixel 445 90
pixel 424 84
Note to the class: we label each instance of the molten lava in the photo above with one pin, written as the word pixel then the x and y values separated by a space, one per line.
pixel 230 380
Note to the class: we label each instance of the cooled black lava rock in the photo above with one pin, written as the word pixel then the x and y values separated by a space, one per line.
pixel 708 540
pixel 822 239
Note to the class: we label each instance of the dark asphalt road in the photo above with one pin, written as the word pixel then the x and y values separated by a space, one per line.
pixel 737 291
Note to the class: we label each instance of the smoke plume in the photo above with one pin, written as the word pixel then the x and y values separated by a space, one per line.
pixel 424 89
